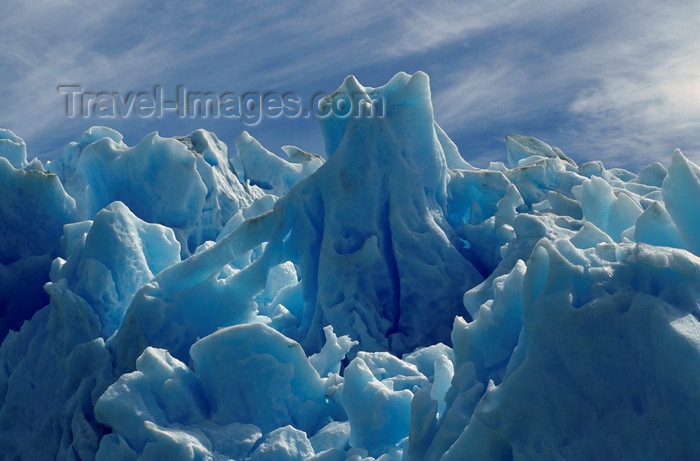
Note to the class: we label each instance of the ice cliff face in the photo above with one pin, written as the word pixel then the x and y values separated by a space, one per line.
pixel 392 302
pixel 34 209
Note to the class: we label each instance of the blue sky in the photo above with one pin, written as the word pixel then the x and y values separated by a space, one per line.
pixel 617 81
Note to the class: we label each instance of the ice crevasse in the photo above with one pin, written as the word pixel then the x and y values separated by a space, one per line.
pixel 390 301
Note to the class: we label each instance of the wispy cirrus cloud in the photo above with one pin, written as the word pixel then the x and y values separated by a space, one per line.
pixel 618 82
pixel 59 42
pixel 610 80
pixel 644 98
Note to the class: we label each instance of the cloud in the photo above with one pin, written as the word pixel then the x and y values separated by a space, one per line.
pixel 618 82
pixel 60 43
pixel 610 80
pixel 645 89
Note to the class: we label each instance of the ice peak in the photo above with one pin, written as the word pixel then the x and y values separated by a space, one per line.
pixel 13 148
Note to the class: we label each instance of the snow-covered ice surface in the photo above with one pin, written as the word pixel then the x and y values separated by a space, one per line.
pixel 392 302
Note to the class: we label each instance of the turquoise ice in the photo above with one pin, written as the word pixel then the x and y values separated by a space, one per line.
pixel 384 301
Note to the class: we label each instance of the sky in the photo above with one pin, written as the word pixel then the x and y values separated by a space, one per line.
pixel 616 81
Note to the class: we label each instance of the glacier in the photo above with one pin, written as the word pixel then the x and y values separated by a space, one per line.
pixel 173 300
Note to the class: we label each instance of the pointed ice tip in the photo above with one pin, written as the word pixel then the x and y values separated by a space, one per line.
pixel 248 143
pixel 13 148
pixel 395 84
pixel 400 77
pixel 681 162
pixel 150 139
pixel 351 84
pixel 678 160
pixel 244 137
pixel 419 82
pixel 678 156
pixel 421 75
pixel 416 90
